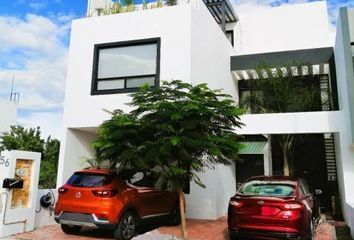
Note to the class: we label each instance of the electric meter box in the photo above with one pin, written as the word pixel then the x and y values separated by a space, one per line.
pixel 19 174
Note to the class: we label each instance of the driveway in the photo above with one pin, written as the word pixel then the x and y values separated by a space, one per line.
pixel 197 230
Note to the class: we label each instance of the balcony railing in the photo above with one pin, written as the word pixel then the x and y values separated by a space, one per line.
pixel 221 10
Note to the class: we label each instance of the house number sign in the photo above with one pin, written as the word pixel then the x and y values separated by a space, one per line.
pixel 4 161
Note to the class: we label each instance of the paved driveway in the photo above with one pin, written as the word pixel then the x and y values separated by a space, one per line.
pixel 197 230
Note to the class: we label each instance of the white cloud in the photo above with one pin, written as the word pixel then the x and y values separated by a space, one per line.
pixel 43 57
pixel 37 5
pixel 34 33
pixel 49 122
pixel 34 50
pixel 254 5
pixel 242 6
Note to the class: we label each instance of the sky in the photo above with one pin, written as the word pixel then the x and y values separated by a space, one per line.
pixel 34 42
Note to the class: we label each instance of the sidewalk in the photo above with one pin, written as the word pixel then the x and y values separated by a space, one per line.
pixel 197 230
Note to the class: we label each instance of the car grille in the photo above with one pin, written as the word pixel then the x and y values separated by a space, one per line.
pixel 79 217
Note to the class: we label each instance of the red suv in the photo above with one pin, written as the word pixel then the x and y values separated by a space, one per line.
pixel 273 207
pixel 102 199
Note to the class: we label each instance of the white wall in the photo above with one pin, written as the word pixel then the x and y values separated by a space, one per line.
pixel 73 151
pixel 17 219
pixel 351 23
pixel 301 122
pixel 44 216
pixel 83 110
pixel 210 63
pixel 289 27
pixel 210 52
pixel 344 140
pixel 186 31
pixel 8 113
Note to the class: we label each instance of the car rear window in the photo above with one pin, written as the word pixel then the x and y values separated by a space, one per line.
pixel 267 188
pixel 81 179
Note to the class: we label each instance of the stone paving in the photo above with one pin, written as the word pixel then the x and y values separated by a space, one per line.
pixel 197 230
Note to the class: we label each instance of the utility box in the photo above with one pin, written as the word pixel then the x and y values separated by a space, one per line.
pixel 19 174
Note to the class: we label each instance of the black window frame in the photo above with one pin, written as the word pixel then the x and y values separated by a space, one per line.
pixel 232 36
pixel 98 47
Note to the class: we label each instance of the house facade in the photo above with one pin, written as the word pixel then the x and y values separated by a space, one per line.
pixel 200 41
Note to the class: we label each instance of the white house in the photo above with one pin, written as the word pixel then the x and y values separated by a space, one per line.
pixel 197 42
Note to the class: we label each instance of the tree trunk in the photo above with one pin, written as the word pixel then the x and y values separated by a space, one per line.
pixel 182 212
pixel 286 163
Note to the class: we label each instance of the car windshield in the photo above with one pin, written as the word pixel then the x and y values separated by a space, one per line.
pixel 268 188
pixel 82 179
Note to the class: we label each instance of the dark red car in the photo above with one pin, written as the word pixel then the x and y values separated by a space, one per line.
pixel 273 208
pixel 102 199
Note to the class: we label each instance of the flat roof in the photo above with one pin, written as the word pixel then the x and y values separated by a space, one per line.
pixel 278 59
pixel 216 8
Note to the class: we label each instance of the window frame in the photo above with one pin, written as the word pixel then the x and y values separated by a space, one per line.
pixel 232 36
pixel 131 43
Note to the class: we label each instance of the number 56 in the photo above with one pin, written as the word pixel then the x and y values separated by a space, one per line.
pixel 4 161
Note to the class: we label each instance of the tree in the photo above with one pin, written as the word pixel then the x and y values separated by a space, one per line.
pixel 177 131
pixel 30 139
pixel 49 164
pixel 282 90
pixel 20 138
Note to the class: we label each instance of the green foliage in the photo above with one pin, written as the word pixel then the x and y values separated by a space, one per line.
pixel 49 164
pixel 171 2
pixel 145 5
pixel 282 92
pixel 176 130
pixel 30 139
pixel 159 4
pixel 116 8
pixel 20 138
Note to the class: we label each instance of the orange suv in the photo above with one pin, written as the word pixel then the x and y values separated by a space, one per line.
pixel 102 199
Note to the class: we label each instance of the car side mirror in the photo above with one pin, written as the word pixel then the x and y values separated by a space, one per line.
pixel 318 191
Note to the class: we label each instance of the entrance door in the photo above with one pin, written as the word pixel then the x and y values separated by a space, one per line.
pixel 251 165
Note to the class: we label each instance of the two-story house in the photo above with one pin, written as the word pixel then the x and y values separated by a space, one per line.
pixel 201 41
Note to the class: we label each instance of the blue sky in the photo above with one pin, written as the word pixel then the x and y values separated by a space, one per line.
pixel 34 43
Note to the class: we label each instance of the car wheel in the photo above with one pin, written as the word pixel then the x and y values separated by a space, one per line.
pixel 70 229
pixel 175 217
pixel 126 227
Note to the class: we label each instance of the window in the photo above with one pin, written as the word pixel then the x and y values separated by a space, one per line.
pixel 125 66
pixel 305 188
pixel 230 36
pixel 268 188
pixel 80 179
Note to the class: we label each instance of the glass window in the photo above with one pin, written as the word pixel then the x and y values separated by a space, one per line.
pixel 268 188
pixel 138 82
pixel 80 179
pixel 305 188
pixel 125 66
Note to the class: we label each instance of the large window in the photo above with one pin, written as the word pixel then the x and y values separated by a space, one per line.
pixel 125 66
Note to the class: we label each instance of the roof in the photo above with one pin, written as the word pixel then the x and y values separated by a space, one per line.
pixel 215 7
